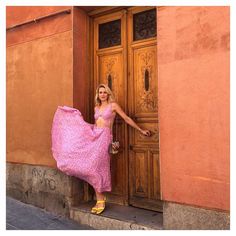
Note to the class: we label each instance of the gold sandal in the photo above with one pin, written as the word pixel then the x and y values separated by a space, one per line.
pixel 100 209
pixel 94 209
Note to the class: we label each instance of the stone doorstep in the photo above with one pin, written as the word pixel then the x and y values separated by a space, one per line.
pixel 117 217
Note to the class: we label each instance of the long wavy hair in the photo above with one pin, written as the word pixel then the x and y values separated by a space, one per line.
pixel 110 94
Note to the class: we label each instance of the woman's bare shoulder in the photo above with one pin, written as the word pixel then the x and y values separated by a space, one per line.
pixel 113 104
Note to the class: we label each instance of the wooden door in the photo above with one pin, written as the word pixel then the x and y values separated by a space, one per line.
pixel 125 58
pixel 110 67
pixel 144 165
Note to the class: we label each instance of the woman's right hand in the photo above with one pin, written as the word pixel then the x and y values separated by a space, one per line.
pixel 146 132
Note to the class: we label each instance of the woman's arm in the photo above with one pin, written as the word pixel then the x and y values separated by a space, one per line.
pixel 128 120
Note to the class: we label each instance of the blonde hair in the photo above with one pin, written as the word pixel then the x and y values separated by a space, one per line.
pixel 110 94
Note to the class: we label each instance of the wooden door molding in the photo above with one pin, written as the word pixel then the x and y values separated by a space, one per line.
pixel 101 11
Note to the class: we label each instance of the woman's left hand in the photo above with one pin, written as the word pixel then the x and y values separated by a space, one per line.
pixel 115 145
pixel 146 132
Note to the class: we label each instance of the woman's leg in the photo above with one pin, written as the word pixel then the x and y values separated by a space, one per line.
pixel 100 202
pixel 99 196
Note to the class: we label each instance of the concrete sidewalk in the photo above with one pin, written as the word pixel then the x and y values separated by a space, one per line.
pixel 21 216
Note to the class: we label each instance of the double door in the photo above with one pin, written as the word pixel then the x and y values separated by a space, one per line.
pixel 125 58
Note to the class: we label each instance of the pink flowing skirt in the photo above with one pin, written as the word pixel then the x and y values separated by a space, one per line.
pixel 81 149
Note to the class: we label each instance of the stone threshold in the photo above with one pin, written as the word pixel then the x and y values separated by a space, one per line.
pixel 117 217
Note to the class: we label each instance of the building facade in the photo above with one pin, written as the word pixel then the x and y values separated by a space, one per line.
pixel 169 70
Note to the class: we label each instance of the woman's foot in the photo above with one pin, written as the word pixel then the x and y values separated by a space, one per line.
pixel 94 209
pixel 100 206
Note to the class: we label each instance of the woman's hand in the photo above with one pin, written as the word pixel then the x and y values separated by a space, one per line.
pixel 145 132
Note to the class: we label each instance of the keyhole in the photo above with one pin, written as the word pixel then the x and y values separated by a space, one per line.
pixel 146 80
pixel 109 81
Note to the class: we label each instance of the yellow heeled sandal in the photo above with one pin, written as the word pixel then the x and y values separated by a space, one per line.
pixel 100 209
pixel 94 210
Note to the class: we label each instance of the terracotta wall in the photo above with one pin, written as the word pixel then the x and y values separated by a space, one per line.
pixel 39 78
pixel 50 26
pixel 193 78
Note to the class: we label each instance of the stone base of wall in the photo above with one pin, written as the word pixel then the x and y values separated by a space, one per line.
pixel 182 217
pixel 43 187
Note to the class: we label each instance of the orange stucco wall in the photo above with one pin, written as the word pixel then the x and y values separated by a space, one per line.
pixel 43 28
pixel 193 79
pixel 46 67
pixel 44 70
pixel 39 78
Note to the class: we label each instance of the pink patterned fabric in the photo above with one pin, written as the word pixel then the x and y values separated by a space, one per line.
pixel 81 149
pixel 106 114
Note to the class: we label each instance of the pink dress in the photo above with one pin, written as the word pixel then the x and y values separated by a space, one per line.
pixel 81 149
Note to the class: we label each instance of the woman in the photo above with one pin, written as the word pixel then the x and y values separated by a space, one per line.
pixel 81 149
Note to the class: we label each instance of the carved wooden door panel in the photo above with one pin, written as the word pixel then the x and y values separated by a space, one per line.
pixel 144 169
pixel 125 58
pixel 110 67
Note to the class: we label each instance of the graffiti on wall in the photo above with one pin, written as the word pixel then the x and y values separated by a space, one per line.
pixel 44 179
